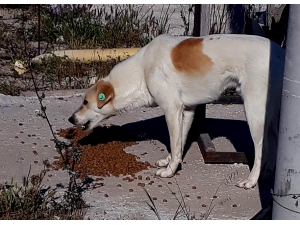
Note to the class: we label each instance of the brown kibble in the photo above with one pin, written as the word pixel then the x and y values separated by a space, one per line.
pixel 215 196
pixel 187 195
pixel 119 185
pixel 203 205
pixel 106 195
pixel 21 132
pixel 103 146
pixel 22 142
pixel 29 135
pixel 162 150
pixel 45 145
pixel 140 177
pixel 36 162
pixel 154 198
pixel 141 184
pixel 34 143
pixel 34 152
pixel 165 200
pixel 199 197
pixel 49 175
pixel 194 187
pixel 130 190
pixel 169 182
pixel 147 178
pixel 184 163
pixel 234 205
pixel 16 137
pixel 160 185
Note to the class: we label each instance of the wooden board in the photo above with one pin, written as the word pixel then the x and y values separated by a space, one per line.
pixel 211 155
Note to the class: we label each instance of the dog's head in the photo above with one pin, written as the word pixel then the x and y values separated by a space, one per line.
pixel 96 106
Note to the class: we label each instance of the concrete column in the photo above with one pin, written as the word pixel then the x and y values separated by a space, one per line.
pixel 286 196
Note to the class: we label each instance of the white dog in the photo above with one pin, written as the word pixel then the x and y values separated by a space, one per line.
pixel 178 73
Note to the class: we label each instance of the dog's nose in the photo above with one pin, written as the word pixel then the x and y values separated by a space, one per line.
pixel 71 120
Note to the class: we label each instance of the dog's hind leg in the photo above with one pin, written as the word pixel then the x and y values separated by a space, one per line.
pixel 188 115
pixel 255 108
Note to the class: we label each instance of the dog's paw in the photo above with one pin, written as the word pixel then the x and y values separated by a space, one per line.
pixel 165 172
pixel 163 162
pixel 247 183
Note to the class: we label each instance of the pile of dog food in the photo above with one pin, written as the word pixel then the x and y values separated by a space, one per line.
pixel 102 152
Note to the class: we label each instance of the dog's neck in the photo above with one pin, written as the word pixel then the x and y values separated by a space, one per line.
pixel 129 85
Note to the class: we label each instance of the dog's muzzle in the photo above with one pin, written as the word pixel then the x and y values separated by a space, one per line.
pixel 72 120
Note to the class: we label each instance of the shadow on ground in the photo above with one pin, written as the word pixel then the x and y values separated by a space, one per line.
pixel 236 131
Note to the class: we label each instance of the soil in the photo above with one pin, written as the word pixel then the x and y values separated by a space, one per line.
pixel 102 152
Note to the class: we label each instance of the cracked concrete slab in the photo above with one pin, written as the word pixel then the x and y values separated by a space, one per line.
pixel 26 141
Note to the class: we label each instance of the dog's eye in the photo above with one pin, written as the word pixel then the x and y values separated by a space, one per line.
pixel 85 102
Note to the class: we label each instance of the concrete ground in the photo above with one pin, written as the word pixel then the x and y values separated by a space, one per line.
pixel 197 185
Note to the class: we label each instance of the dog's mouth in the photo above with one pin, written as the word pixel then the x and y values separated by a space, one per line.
pixel 86 125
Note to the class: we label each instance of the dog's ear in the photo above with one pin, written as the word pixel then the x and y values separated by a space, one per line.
pixel 104 93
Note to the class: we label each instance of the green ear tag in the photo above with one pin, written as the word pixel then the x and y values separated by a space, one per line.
pixel 101 97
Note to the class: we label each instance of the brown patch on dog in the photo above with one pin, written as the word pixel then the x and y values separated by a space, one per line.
pixel 188 57
pixel 105 88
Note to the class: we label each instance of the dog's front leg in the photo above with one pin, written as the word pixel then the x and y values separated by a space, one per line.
pixel 188 116
pixel 174 118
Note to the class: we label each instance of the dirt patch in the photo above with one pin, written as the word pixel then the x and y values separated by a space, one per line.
pixel 102 152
